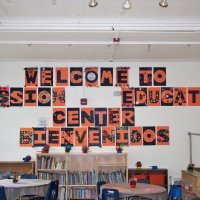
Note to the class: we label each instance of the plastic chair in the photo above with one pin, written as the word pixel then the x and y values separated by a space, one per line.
pixel 110 194
pixel 175 192
pixel 28 176
pixel 99 184
pixel 2 193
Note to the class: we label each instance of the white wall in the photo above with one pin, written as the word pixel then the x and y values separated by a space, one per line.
pixel 175 157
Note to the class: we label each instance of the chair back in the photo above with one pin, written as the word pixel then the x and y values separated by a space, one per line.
pixel 52 193
pixel 110 194
pixel 175 192
pixel 99 184
pixel 28 176
pixel 2 193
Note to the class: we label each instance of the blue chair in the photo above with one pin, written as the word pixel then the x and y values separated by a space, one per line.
pixel 28 176
pixel 2 193
pixel 99 184
pixel 110 194
pixel 175 192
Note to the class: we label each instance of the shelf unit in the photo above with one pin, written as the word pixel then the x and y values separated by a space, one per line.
pixel 153 176
pixel 78 173
pixel 17 166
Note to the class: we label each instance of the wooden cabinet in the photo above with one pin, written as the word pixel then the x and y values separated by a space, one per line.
pixel 190 184
pixel 17 166
pixel 79 173
pixel 156 177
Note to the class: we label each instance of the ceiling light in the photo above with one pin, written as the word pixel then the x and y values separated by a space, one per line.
pixel 126 4
pixel 163 3
pixel 93 3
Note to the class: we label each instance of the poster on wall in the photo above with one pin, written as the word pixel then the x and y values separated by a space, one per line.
pixel 159 75
pixel 80 136
pixel 136 136
pixel 167 96
pixel 67 136
pixel 140 96
pixel 106 78
pixel 180 96
pixel 108 136
pixel 122 136
pixel 87 116
pixel 114 117
pixel 16 96
pixel 26 137
pixel 31 77
pixel 128 117
pixel 62 76
pixel 58 96
pixel 145 76
pixel 149 135
pixel 91 77
pixel 73 117
pixel 30 96
pixel 94 136
pixel 122 79
pixel 54 137
pixel 100 116
pixel 39 136
pixel 193 96
pixel 154 96
pixel 59 118
pixel 76 76
pixel 44 96
pixel 162 135
pixel 46 76
pixel 4 96
pixel 127 97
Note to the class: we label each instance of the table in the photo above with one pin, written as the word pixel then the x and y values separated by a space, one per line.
pixel 153 192
pixel 24 187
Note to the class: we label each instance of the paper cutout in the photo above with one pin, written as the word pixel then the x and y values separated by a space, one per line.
pixel 140 96
pixel 58 96
pixel 180 96
pixel 81 136
pixel 59 118
pixel 87 116
pixel 67 136
pixel 44 96
pixel 127 97
pixel 154 96
pixel 128 117
pixel 30 96
pixel 39 136
pixel 100 116
pixel 145 76
pixel 122 136
pixel 73 117
pixel 62 76
pixel 167 96
pixel 136 136
pixel 46 76
pixel 159 75
pixel 31 76
pixel 94 136
pixel 114 117
pixel 122 79
pixel 76 76
pixel 149 136
pixel 193 96
pixel 162 135
pixel 16 97
pixel 26 137
pixel 54 137
pixel 108 136
pixel 91 77
pixel 4 97
pixel 106 78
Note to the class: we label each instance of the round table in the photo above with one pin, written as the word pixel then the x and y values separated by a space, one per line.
pixel 24 187
pixel 153 192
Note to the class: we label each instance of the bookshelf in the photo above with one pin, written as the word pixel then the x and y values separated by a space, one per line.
pixel 17 166
pixel 78 173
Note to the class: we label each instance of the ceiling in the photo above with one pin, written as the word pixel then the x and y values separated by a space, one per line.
pixel 71 30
